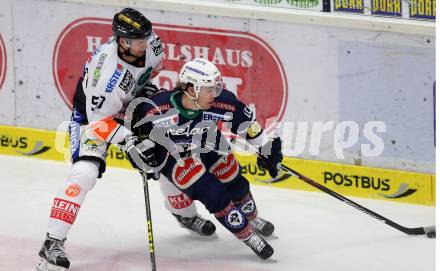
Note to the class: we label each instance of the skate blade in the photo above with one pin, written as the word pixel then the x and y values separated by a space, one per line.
pixel 213 236
pixel 273 236
pixel 270 260
pixel 270 237
pixel 43 265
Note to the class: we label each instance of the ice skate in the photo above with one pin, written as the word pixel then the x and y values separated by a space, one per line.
pixel 259 246
pixel 53 256
pixel 263 227
pixel 197 225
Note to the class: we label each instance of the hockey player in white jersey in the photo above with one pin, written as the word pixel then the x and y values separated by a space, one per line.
pixel 113 76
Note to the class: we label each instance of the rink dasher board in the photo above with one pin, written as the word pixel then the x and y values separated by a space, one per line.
pixel 349 180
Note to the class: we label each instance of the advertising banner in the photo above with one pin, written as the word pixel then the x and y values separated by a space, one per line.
pixel 234 52
pixel 422 9
pixel 298 4
pixel 386 7
pixel 410 9
pixel 41 144
pixel 373 183
pixel 335 91
pixel 353 6
pixel 3 61
pixel 7 90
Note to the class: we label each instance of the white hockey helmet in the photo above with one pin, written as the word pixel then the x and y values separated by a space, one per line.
pixel 202 74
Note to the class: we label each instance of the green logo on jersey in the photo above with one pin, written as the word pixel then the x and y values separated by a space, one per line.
pixel 97 71
pixel 145 76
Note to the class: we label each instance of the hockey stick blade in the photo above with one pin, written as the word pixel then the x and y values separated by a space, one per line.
pixel 430 231
pixel 283 177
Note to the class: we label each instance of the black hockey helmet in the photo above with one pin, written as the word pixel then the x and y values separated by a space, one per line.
pixel 130 23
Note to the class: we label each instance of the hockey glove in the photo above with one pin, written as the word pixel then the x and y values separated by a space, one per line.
pixel 149 90
pixel 270 156
pixel 141 155
pixel 153 176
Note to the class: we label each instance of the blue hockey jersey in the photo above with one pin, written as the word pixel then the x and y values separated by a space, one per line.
pixel 184 131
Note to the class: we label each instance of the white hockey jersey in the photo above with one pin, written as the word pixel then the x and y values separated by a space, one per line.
pixel 109 84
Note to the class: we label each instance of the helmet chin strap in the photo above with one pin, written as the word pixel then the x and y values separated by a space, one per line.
pixel 125 52
pixel 194 99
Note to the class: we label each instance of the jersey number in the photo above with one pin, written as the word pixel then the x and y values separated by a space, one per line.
pixel 97 102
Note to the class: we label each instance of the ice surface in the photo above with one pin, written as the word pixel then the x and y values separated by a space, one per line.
pixel 316 232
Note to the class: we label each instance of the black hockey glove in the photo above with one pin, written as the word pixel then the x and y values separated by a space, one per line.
pixel 270 156
pixel 141 155
pixel 149 90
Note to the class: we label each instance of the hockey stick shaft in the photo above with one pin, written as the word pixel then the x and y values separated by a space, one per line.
pixel 149 223
pixel 410 231
pixel 430 230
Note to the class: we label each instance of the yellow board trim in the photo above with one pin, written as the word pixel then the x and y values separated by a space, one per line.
pixel 358 181
pixel 350 180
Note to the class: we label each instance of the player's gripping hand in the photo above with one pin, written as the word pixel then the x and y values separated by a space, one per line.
pixel 141 155
pixel 270 156
pixel 149 90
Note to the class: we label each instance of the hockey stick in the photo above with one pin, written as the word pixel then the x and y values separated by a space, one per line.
pixel 149 222
pixel 429 231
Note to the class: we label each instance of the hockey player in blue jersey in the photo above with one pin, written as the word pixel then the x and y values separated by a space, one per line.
pixel 186 145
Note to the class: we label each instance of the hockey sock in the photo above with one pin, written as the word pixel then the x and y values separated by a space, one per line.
pixel 233 219
pixel 70 196
pixel 248 207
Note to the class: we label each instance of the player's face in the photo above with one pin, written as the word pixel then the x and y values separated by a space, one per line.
pixel 207 96
pixel 137 46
